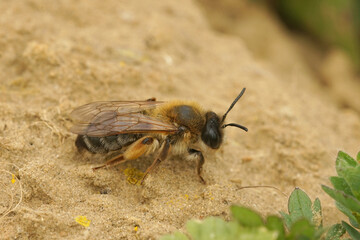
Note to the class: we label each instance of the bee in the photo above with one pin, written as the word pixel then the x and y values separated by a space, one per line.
pixel 140 128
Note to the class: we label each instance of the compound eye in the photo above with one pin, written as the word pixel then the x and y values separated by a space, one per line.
pixel 211 134
pixel 211 138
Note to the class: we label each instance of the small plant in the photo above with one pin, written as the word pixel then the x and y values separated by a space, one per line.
pixel 346 192
pixel 304 221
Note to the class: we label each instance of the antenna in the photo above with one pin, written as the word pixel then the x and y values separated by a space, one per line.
pixel 235 125
pixel 232 105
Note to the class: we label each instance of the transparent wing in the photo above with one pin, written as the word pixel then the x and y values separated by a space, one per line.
pixel 109 118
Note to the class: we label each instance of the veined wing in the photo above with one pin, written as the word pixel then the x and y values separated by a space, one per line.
pixel 116 117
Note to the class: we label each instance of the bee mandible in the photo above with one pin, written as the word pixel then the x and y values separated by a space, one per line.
pixel 140 128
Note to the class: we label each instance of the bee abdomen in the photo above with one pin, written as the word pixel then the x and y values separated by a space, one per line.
pixel 105 144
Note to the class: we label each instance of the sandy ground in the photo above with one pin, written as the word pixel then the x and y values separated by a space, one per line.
pixel 57 55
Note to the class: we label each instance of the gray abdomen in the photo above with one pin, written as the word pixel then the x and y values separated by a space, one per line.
pixel 105 144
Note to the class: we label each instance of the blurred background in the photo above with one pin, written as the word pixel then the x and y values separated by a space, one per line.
pixel 326 35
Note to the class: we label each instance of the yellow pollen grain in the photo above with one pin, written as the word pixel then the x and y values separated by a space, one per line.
pixel 13 179
pixel 82 220
pixel 133 175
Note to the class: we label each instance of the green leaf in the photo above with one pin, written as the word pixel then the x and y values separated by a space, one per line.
pixel 317 214
pixel 175 236
pixel 275 223
pixel 335 232
pixel 358 157
pixel 319 232
pixel 357 216
pixel 302 229
pixel 344 162
pixel 339 183
pixel 299 206
pixel 287 219
pixel 351 231
pixel 346 200
pixel 352 177
pixel 349 170
pixel 212 228
pixel 246 217
pixel 217 229
pixel 254 234
pixel 347 158
pixel 348 213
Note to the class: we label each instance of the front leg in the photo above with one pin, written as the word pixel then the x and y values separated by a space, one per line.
pixel 201 161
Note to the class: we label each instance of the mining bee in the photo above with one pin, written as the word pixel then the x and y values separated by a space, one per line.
pixel 150 126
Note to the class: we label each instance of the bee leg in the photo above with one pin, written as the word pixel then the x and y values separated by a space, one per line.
pixel 141 147
pixel 161 157
pixel 201 162
pixel 112 162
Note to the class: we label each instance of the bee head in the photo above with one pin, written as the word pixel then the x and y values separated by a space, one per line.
pixel 212 133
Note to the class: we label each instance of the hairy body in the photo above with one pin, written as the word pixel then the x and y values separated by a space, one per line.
pixel 180 113
pixel 145 127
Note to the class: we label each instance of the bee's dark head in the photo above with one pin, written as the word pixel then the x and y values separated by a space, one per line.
pixel 212 133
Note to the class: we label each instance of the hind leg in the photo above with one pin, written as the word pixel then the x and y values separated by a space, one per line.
pixel 142 146
pixel 165 149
